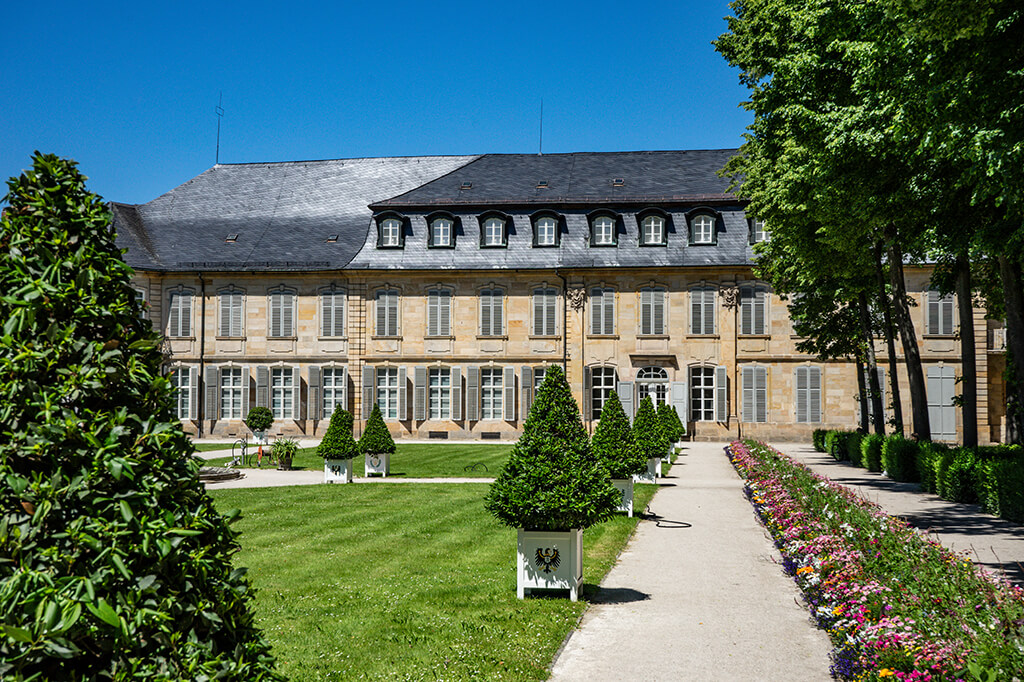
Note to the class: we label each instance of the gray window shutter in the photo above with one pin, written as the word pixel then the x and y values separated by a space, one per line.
pixel 211 409
pixel 339 303
pixel 262 386
pixel 801 377
pixel 445 316
pixel 275 314
pixel 456 394
pixel 174 315
pixel 596 311
pixel 609 311
pixel 747 389
pixel 473 393
pixel 224 329
pixel 382 314
pixel 814 394
pixel 933 312
pixel 403 395
pixel 508 384
pixel 393 314
pixel 296 394
pixel 245 391
pixel 760 394
pixel 538 312
pixel 677 395
pixel 588 398
pixel 326 313
pixel 696 310
pixel 625 391
pixel 760 303
pixel 343 404
pixel 369 391
pixel 721 394
pixel 646 317
pixel 497 312
pixel 658 311
pixel 947 315
pixel 419 393
pixel 193 396
pixel 314 405
pixel 551 312
pixel 433 313
pixel 525 391
pixel 485 313
pixel 746 313
pixel 288 317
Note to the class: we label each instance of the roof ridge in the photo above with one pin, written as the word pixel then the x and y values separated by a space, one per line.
pixel 351 158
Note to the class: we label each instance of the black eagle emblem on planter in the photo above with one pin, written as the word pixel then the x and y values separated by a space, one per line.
pixel 547 559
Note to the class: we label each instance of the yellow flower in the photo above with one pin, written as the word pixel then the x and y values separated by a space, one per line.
pixel 885 672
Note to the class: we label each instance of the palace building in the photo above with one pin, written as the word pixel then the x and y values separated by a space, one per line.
pixel 441 288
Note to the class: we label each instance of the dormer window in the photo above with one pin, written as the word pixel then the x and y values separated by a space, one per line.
pixel 758 233
pixel 702 229
pixel 442 231
pixel 603 230
pixel 652 230
pixel 390 232
pixel 493 231
pixel 545 230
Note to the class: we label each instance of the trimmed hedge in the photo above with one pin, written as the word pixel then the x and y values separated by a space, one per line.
pixel 929 458
pixel 899 458
pixel 818 438
pixel 871 452
pixel 853 441
pixel 1001 487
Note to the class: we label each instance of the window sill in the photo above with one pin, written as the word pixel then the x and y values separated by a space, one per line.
pixel 377 337
pixel 603 246
pixel 926 337
pixel 709 337
pixel 282 338
pixel 703 244
pixel 180 338
pixel 602 336
pixel 656 337
pixel 230 338
pixel 655 245
pixel 755 336
pixel 438 337
pixel 544 337
pixel 332 338
pixel 481 337
pixel 441 246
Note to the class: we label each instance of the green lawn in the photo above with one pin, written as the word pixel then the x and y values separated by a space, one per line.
pixel 207 447
pixel 421 460
pixel 402 582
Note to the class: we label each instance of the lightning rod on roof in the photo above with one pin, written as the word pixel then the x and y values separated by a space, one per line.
pixel 219 110
pixel 540 144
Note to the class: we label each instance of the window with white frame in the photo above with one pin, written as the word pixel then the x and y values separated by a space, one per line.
pixel 181 379
pixel 602 383
pixel 282 392
pixel 386 304
pixel 387 392
pixel 545 300
pixel 332 312
pixel 439 312
pixel 491 393
pixel 808 395
pixel 538 378
pixel 703 229
pixel 232 313
pixel 390 233
pixel 602 311
pixel 494 232
pixel 752 309
pixel 754 384
pixel 441 230
pixel 179 315
pixel 702 310
pixel 439 400
pixel 231 392
pixel 333 379
pixel 652 230
pixel 282 313
pixel 940 313
pixel 758 233
pixel 652 310
pixel 652 382
pixel 492 312
pixel 140 299
pixel 702 394
pixel 603 228
pixel 545 231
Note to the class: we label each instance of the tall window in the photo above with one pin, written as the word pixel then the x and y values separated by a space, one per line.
pixel 752 308
pixel 181 379
pixel 652 230
pixel 603 229
pixel 232 315
pixel 387 313
pixel 282 313
pixel 602 310
pixel 491 392
pixel 439 404
pixel 755 393
pixel 538 378
pixel 333 379
pixel 387 392
pixel 808 395
pixel 332 313
pixel 441 231
pixel 494 232
pixel 544 311
pixel 179 317
pixel 546 231
pixel 758 233
pixel 140 299
pixel 702 310
pixel 652 310
pixel 702 394
pixel 390 232
pixel 940 313
pixel 282 392
pixel 653 382
pixel 602 383
pixel 703 229
pixel 492 312
pixel 439 307
pixel 231 393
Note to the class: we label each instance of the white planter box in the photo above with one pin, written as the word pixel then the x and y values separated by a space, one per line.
pixel 337 471
pixel 624 486
pixel 549 560
pixel 652 473
pixel 378 464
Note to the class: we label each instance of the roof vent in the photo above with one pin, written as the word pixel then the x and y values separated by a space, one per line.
pixel 467 185
pixel 618 182
pixel 332 238
pixel 542 184
pixel 231 238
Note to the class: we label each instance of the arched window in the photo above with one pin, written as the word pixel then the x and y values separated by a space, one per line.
pixel 493 231
pixel 652 231
pixel 653 382
pixel 702 229
pixel 603 231
pixel 545 230
pixel 390 231
pixel 442 232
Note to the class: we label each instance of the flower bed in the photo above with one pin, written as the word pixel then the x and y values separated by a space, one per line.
pixel 896 604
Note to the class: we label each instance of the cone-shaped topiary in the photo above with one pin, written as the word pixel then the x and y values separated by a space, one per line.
pixel 648 432
pixel 114 563
pixel 551 480
pixel 613 443
pixel 376 439
pixel 338 442
pixel 670 423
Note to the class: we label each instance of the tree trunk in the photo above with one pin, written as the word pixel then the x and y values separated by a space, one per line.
pixel 1013 299
pixel 861 393
pixel 969 371
pixel 874 390
pixel 890 344
pixel 911 353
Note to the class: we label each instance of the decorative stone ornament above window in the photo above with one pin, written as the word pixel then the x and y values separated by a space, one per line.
pixel 494 230
pixel 390 231
pixel 441 230
pixel 546 229
pixel 604 229
pixel 653 227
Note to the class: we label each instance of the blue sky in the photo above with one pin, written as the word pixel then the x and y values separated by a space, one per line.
pixel 129 89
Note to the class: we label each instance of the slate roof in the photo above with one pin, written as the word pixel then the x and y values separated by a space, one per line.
pixel 282 213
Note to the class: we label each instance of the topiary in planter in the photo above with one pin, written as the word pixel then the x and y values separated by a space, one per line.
pixel 259 419
pixel 114 563
pixel 376 439
pixel 613 442
pixel 648 432
pixel 338 442
pixel 670 423
pixel 551 480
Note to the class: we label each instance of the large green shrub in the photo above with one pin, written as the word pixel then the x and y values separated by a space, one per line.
pixel 376 439
pixel 259 419
pixel 338 442
pixel 114 563
pixel 899 458
pixel 613 444
pixel 929 459
pixel 648 432
pixel 871 451
pixel 818 439
pixel 1001 487
pixel 551 480
pixel 957 476
pixel 853 440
